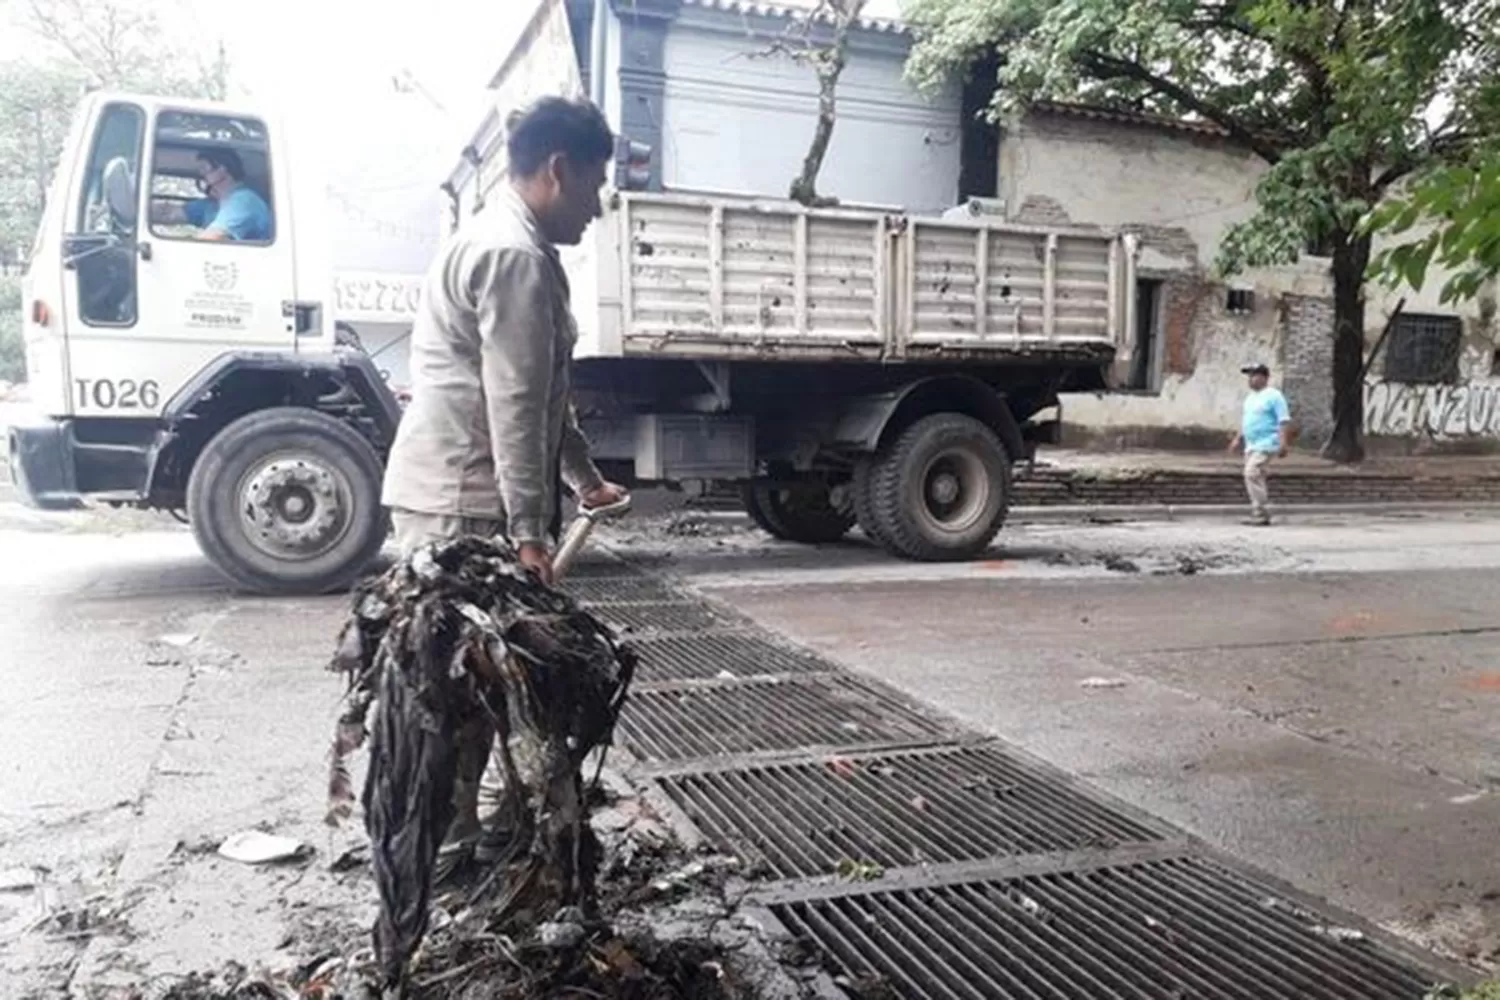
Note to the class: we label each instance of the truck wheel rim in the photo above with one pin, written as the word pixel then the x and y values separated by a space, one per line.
pixel 955 490
pixel 294 508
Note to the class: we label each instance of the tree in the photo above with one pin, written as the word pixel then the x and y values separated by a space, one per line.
pixel 12 348
pixel 119 44
pixel 1459 205
pixel 1337 97
pixel 827 55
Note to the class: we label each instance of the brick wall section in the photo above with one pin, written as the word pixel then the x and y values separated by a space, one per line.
pixel 1050 487
pixel 1182 295
pixel 1306 365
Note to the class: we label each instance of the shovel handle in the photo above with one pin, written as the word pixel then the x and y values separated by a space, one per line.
pixel 578 533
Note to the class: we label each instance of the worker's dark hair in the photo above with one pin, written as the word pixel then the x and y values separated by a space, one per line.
pixel 575 128
pixel 226 158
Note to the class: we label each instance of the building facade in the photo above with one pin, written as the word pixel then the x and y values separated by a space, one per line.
pixel 716 89
pixel 710 86
pixel 1181 186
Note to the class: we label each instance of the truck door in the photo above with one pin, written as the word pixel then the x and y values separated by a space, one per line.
pixel 202 264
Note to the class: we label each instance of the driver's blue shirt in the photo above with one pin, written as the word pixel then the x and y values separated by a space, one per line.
pixel 242 215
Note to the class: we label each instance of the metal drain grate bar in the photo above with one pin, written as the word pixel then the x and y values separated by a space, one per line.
pixel 664 616
pixel 619 589
pixel 694 657
pixel 595 565
pixel 1162 930
pixel 930 807
pixel 753 716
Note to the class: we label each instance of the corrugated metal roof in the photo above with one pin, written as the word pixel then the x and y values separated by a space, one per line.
pixel 878 15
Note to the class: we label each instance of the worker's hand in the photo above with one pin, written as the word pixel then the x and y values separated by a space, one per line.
pixel 1234 444
pixel 534 556
pixel 602 495
pixel 1283 452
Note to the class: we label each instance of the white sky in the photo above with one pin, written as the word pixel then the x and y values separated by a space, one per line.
pixel 332 63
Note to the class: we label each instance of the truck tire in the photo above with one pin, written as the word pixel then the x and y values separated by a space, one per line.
pixel 864 503
pixel 941 492
pixel 798 512
pixel 287 501
pixel 751 500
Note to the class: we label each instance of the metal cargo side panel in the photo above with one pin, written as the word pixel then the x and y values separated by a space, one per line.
pixel 976 285
pixel 718 277
pixel 666 270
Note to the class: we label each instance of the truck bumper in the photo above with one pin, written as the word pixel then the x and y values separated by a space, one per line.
pixel 56 464
pixel 41 465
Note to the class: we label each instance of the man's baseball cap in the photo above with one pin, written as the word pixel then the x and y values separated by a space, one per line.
pixel 1256 369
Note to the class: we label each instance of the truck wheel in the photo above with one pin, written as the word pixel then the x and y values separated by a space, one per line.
pixel 287 501
pixel 800 512
pixel 942 490
pixel 751 499
pixel 864 502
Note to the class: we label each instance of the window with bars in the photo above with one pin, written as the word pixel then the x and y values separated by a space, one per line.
pixel 1424 348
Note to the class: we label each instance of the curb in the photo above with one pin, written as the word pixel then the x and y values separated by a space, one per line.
pixel 1065 513
pixel 1068 513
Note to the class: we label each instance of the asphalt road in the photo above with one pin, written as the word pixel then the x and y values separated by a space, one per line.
pixel 1318 699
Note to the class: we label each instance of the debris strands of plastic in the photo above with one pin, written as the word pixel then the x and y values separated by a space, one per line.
pixel 456 635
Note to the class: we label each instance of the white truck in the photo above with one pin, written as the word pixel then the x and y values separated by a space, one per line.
pixel 838 366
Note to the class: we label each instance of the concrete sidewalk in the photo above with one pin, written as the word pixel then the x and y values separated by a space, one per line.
pixel 1178 481
pixel 1137 461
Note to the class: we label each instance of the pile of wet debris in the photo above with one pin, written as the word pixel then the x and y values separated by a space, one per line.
pixel 686 944
pixel 590 896
pixel 671 934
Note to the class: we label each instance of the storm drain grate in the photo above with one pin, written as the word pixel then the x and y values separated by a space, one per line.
pixel 613 590
pixel 664 616
pixel 1180 928
pixel 734 654
pixel 594 567
pixel 808 712
pixel 928 807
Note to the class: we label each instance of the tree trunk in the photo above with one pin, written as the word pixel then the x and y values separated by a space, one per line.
pixel 805 187
pixel 1351 256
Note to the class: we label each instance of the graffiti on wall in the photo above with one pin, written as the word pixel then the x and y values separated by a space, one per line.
pixel 1400 409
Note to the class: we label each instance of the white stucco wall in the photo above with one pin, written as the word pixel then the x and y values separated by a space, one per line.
pixel 1188 190
pixel 1113 175
pixel 740 122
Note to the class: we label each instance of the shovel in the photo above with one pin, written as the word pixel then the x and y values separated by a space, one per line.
pixel 578 533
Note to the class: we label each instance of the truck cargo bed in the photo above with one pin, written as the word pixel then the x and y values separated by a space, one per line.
pixel 716 278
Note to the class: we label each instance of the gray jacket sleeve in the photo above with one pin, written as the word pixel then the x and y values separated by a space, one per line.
pixel 517 340
pixel 578 468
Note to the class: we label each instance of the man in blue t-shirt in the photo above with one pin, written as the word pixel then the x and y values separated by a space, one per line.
pixel 232 211
pixel 1265 432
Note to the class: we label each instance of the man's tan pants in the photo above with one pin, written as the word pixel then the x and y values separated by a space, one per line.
pixel 1257 484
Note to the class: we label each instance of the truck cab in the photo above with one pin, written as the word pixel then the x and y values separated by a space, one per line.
pixel 185 363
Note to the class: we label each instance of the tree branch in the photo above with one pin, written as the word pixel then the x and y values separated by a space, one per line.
pixel 1107 67
pixel 1439 146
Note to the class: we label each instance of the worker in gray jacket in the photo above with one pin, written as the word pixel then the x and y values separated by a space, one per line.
pixel 490 430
